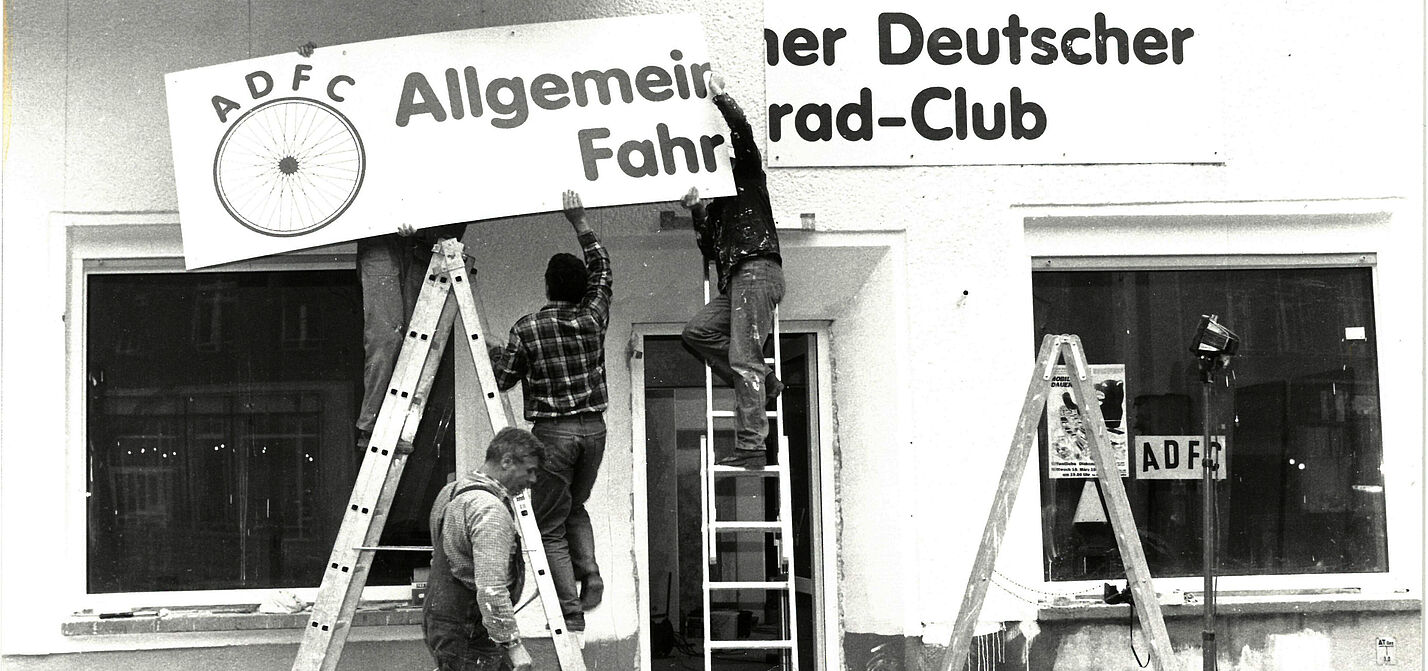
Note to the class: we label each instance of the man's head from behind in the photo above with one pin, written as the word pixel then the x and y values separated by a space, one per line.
pixel 565 278
pixel 513 457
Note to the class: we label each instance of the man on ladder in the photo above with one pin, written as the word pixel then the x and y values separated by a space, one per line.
pixel 737 233
pixel 476 568
pixel 558 352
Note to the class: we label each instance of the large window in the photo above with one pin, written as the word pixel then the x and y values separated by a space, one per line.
pixel 220 440
pixel 1303 491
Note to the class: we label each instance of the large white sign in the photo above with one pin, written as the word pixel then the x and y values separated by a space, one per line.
pixel 958 83
pixel 285 152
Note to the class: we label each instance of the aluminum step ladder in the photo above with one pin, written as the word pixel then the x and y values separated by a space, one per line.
pixel 431 324
pixel 782 585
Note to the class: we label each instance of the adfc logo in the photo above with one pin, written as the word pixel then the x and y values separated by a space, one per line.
pixel 287 166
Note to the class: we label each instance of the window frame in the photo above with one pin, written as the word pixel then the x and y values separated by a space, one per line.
pixel 1255 235
pixel 827 619
pixel 131 243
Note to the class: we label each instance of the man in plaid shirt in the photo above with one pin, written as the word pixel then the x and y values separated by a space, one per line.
pixel 559 354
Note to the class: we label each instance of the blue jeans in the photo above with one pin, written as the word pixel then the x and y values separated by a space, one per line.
pixel 728 334
pixel 574 448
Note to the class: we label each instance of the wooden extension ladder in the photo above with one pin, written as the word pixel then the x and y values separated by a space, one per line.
pixel 445 292
pixel 1147 607
pixel 782 528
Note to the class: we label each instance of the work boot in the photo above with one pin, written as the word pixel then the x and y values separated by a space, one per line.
pixel 751 459
pixel 592 591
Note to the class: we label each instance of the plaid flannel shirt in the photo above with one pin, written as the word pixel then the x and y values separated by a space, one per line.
pixel 559 350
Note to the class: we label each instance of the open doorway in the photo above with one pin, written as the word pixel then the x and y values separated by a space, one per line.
pixel 670 384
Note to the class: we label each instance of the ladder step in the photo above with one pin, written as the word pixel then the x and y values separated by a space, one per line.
pixel 750 644
pixel 727 414
pixel 401 548
pixel 772 470
pixel 784 584
pixel 747 526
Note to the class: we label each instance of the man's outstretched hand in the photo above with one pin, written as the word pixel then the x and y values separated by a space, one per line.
pixel 574 211
pixel 714 82
pixel 306 50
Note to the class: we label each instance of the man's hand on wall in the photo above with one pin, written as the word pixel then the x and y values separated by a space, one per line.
pixel 306 50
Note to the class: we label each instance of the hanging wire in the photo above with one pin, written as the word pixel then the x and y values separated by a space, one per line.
pixel 999 578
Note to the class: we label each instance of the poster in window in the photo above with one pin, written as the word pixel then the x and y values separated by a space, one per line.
pixel 1068 452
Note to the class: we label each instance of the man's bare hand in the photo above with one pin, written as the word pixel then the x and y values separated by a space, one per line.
pixel 305 50
pixel 574 210
pixel 714 82
pixel 691 200
pixel 519 657
pixel 406 230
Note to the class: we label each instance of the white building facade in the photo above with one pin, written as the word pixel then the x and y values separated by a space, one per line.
pixel 181 441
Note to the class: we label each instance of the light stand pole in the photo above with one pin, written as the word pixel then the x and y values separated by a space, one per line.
pixel 1207 514
pixel 1213 344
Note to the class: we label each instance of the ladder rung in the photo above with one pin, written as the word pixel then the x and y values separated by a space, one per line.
pixel 718 414
pixel 772 470
pixel 749 644
pixel 748 526
pixel 401 548
pixel 749 585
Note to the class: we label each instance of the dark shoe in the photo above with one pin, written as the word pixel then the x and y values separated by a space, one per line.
pixel 745 459
pixel 592 590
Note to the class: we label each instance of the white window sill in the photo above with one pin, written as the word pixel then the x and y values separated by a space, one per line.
pixel 228 618
pixel 1173 605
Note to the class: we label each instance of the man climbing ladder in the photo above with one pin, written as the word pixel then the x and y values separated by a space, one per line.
pixel 737 233
pixel 558 353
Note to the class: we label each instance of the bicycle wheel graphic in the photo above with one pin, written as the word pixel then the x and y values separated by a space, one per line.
pixel 289 166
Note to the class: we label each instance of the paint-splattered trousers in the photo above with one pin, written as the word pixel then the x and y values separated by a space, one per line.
pixel 728 334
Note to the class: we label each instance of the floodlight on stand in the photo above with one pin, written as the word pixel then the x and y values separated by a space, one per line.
pixel 1214 343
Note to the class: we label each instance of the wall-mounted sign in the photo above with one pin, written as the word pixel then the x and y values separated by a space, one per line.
pixel 960 83
pixel 284 152
pixel 1068 454
pixel 1177 457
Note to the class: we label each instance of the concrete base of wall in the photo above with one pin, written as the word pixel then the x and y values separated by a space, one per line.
pixel 410 655
pixel 1316 641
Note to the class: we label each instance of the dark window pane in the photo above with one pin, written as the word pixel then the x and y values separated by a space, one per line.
pixel 1304 491
pixel 221 447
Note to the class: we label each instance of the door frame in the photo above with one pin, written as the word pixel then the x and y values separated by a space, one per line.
pixel 823 520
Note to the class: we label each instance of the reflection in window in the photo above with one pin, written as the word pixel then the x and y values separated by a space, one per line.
pixel 1304 490
pixel 221 450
